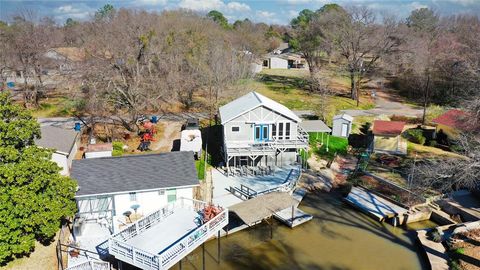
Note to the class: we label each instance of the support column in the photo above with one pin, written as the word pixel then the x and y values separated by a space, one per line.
pixel 218 247
pixel 203 255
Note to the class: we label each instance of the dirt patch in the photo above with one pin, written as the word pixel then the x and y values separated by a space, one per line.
pixel 169 137
pixel 469 244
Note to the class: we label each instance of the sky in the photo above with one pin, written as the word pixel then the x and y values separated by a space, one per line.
pixel 268 11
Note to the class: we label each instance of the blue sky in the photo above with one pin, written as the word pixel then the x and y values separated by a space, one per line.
pixel 269 11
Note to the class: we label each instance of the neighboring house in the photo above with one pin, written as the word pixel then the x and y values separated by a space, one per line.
pixel 66 58
pixel 283 58
pixel 64 142
pixel 387 137
pixel 342 125
pixel 451 123
pixel 98 150
pixel 109 187
pixel 260 131
pixel 284 61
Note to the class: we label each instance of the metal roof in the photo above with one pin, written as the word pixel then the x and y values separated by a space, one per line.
pixel 314 126
pixel 133 173
pixel 343 116
pixel 60 139
pixel 251 101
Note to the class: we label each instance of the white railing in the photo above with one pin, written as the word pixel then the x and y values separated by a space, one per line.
pixel 171 255
pixel 90 265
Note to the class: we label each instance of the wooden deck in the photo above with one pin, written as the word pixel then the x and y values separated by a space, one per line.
pixel 373 205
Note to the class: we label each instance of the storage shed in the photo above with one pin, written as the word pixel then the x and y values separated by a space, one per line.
pixel 342 125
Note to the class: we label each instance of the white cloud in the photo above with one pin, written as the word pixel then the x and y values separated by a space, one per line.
pixel 416 5
pixel 150 2
pixel 461 2
pixel 236 6
pixel 207 5
pixel 79 12
pixel 266 14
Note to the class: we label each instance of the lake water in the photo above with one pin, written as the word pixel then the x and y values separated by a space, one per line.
pixel 338 238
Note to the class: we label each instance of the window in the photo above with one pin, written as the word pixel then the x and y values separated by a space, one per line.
pixel 274 131
pixel 257 133
pixel 133 196
pixel 287 131
pixel 264 132
pixel 171 195
pixel 280 131
pixel 235 129
pixel 161 192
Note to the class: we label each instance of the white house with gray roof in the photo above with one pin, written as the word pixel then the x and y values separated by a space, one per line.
pixel 109 187
pixel 63 141
pixel 260 131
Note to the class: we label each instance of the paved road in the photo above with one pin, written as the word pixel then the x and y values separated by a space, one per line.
pixel 387 104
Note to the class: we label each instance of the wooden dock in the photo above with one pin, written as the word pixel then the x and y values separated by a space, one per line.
pixel 292 217
pixel 373 204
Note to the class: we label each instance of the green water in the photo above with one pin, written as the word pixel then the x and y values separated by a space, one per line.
pixel 338 238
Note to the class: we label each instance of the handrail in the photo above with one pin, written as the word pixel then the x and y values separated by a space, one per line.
pixel 133 255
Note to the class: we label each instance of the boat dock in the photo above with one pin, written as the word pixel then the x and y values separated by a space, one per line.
pixel 374 205
pixel 293 216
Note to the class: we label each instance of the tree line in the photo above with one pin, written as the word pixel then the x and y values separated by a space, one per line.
pixel 428 57
pixel 135 62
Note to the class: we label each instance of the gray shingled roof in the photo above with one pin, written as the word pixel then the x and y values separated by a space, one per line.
pixel 60 139
pixel 134 173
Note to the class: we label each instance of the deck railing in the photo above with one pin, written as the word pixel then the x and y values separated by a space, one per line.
pixel 287 185
pixel 90 265
pixel 169 256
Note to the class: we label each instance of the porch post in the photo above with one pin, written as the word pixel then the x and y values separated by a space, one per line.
pixel 328 139
pixel 218 246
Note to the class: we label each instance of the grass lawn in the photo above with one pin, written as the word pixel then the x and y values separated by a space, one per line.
pixel 52 107
pixel 335 144
pixel 290 88
pixel 424 151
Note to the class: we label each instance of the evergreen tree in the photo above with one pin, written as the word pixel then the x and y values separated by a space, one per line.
pixel 34 197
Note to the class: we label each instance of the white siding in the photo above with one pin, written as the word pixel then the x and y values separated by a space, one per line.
pixel 337 127
pixel 246 122
pixel 62 162
pixel 98 154
pixel 276 62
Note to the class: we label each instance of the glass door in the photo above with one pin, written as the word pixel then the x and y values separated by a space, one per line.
pixel 260 133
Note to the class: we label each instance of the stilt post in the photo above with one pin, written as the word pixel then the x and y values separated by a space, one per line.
pixel 218 247
pixel 203 255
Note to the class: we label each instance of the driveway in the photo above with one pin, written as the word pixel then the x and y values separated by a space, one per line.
pixel 387 103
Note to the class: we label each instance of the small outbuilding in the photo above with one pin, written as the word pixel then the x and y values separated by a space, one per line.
pixel 342 125
pixel 63 141
pixel 387 137
pixel 99 150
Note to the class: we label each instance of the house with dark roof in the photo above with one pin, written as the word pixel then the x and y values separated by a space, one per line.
pixel 387 137
pixel 110 189
pixel 451 123
pixel 63 141
pixel 260 131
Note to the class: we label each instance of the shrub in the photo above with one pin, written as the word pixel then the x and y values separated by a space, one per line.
pixel 433 143
pixel 415 136
pixel 459 251
pixel 117 148
pixel 435 235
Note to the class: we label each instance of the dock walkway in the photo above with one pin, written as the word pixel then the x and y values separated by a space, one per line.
pixel 374 205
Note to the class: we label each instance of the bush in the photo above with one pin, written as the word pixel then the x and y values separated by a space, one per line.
pixel 435 235
pixel 433 143
pixel 415 136
pixel 459 251
pixel 117 148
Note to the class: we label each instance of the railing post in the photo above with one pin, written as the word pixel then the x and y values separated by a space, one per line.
pixel 133 255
